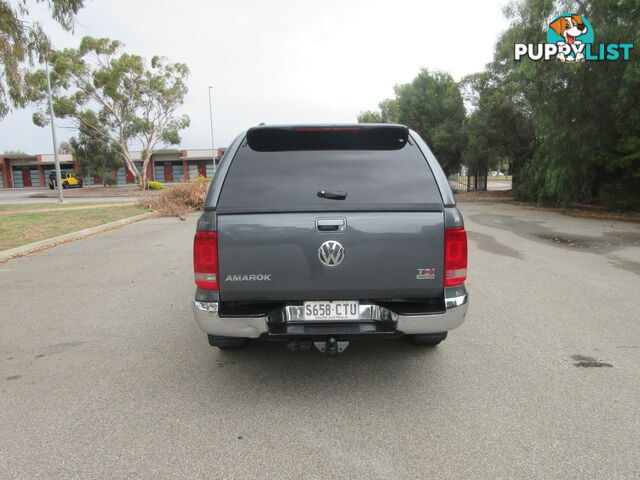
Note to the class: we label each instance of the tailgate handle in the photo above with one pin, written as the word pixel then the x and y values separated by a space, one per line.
pixel 337 195
pixel 331 224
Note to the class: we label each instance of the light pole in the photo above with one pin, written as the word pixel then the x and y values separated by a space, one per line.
pixel 53 133
pixel 213 147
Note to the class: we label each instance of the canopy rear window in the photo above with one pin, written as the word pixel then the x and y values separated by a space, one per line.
pixel 278 181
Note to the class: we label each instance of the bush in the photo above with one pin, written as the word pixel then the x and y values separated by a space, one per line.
pixel 178 200
pixel 202 179
pixel 155 185
pixel 622 193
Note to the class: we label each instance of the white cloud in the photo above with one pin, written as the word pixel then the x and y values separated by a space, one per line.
pixel 281 61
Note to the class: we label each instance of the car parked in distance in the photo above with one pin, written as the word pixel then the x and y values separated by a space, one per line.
pixel 69 180
pixel 318 235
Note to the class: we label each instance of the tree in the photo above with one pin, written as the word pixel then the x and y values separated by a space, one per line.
pixel 64 148
pixel 499 130
pixel 95 157
pixel 369 116
pixel 22 42
pixel 388 113
pixel 586 116
pixel 432 106
pixel 116 95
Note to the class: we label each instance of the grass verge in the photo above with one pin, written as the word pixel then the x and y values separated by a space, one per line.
pixel 97 191
pixel 23 228
pixel 14 207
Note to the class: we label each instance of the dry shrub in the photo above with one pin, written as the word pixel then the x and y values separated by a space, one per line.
pixel 178 200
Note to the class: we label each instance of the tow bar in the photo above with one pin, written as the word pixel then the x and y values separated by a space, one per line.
pixel 331 347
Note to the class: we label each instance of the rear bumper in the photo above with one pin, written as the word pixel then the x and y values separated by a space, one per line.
pixel 207 318
pixel 456 310
pixel 456 301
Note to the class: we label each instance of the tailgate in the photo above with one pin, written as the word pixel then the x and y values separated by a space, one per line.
pixel 386 255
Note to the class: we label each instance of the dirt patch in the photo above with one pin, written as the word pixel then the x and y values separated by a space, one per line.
pixel 605 243
pixel 597 213
pixel 574 241
pixel 581 210
pixel 486 196
pixel 583 361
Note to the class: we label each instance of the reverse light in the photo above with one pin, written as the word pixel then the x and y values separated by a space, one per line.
pixel 455 256
pixel 205 260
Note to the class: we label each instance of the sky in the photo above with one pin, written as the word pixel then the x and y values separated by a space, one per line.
pixel 278 61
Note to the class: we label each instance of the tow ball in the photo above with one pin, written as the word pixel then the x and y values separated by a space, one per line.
pixel 331 347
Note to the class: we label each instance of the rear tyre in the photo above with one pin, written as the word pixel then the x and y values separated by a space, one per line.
pixel 50 187
pixel 228 343
pixel 427 339
pixel 65 185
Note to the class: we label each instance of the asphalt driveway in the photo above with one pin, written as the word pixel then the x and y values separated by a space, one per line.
pixel 103 373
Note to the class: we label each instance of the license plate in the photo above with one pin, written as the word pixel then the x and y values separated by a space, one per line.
pixel 334 310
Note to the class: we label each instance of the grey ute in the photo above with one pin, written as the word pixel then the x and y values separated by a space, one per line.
pixel 318 235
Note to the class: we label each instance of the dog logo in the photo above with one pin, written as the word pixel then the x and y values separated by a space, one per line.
pixel 570 39
pixel 564 31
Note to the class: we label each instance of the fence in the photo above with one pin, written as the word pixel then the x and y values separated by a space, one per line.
pixel 465 181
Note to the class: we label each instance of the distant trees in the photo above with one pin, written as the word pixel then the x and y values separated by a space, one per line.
pixel 370 116
pixel 432 106
pixel 118 97
pixel 22 42
pixel 499 132
pixel 585 116
pixel 388 113
pixel 95 157
pixel 64 148
pixel 568 132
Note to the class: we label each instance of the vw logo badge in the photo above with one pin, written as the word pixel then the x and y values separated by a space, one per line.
pixel 331 253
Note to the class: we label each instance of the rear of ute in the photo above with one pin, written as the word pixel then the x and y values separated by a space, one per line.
pixel 319 235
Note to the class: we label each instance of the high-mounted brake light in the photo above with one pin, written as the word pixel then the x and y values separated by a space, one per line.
pixel 363 136
pixel 455 256
pixel 205 260
pixel 327 129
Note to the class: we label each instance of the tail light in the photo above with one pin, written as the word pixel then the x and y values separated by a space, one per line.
pixel 455 256
pixel 205 260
